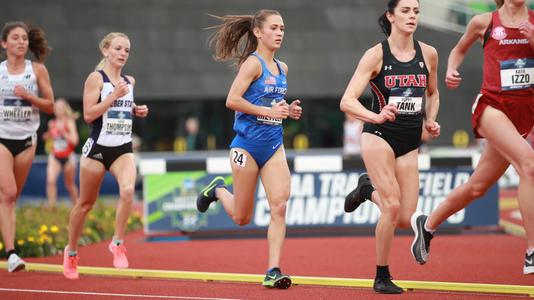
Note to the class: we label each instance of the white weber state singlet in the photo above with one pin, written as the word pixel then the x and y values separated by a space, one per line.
pixel 19 119
pixel 114 127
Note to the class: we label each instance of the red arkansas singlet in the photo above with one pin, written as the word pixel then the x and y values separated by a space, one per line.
pixel 508 59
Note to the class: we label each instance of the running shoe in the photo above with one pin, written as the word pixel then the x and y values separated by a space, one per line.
pixel 275 279
pixel 386 286
pixel 421 242
pixel 207 195
pixel 15 263
pixel 529 264
pixel 355 198
pixel 120 261
pixel 70 265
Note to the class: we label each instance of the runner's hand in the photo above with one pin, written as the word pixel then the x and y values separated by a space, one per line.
pixel 121 89
pixel 388 113
pixel 527 29
pixel 295 111
pixel 453 79
pixel 140 110
pixel 433 127
pixel 20 91
pixel 280 110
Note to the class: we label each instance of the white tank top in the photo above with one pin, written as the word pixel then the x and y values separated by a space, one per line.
pixel 19 119
pixel 114 127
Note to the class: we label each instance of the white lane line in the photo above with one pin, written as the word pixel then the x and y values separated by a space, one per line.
pixel 109 294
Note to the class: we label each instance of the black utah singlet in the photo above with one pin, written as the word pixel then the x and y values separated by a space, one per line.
pixel 403 83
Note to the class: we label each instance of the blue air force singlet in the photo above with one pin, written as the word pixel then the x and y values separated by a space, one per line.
pixel 267 90
pixel 19 119
pixel 114 127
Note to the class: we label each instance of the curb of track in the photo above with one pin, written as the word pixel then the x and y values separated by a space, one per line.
pixel 297 280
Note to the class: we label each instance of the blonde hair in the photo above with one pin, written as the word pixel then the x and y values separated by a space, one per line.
pixel 69 113
pixel 104 44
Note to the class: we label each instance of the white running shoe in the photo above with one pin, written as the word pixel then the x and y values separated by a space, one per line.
pixel 529 264
pixel 15 263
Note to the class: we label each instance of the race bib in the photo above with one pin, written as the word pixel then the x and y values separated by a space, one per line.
pixel 409 101
pixel 16 110
pixel 239 158
pixel 87 147
pixel 118 122
pixel 269 102
pixel 517 74
pixel 60 144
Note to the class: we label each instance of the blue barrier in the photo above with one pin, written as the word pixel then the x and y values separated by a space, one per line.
pixel 35 187
pixel 316 201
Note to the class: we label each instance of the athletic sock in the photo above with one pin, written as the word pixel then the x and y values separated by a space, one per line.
pixel 428 229
pixel 8 253
pixel 382 271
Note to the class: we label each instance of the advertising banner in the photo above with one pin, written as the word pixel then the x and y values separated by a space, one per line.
pixel 316 200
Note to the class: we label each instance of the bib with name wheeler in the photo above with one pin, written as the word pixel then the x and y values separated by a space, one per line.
pixel 19 119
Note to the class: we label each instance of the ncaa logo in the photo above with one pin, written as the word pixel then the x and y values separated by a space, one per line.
pixel 520 64
pixel 498 33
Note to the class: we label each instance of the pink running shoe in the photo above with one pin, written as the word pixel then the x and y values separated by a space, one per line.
pixel 70 265
pixel 119 255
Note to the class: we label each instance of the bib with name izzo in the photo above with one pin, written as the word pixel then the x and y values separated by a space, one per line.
pixel 403 84
pixel 19 119
pixel 114 127
pixel 265 91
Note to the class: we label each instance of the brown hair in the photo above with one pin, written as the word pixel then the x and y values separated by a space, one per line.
pixel 37 42
pixel 234 39
pixel 105 43
pixel 383 21
pixel 499 3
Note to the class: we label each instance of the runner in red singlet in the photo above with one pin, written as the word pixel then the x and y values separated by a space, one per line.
pixel 502 113
pixel 62 131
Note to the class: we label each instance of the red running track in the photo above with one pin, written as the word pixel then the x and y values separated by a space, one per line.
pixel 486 258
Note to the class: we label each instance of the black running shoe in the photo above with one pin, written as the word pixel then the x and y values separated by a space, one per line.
pixel 421 242
pixel 386 286
pixel 529 264
pixel 275 279
pixel 355 198
pixel 207 195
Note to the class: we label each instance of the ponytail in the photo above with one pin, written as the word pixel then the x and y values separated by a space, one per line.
pixel 38 44
pixel 234 38
pixel 100 64
pixel 384 24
